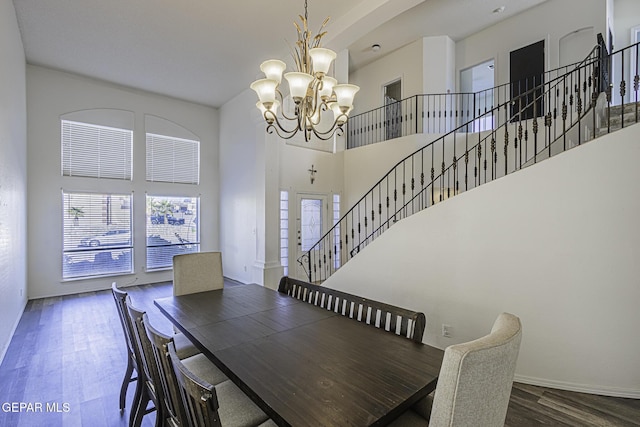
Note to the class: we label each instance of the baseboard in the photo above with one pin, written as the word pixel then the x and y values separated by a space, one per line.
pixel 581 388
pixel 5 347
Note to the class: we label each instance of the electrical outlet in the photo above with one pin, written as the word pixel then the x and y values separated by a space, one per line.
pixel 446 330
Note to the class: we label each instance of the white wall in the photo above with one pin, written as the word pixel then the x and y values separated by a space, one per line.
pixel 254 167
pixel 404 63
pixel 549 21
pixel 13 176
pixel 238 181
pixel 51 94
pixel 556 244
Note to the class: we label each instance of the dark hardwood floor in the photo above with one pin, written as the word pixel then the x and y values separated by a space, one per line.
pixel 68 356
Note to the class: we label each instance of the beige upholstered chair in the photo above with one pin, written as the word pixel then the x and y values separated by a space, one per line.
pixel 197 272
pixel 475 381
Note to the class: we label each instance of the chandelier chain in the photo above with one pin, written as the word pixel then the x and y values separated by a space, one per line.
pixel 306 15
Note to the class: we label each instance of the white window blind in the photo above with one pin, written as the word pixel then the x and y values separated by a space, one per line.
pixel 96 151
pixel 172 159
pixel 97 238
pixel 172 229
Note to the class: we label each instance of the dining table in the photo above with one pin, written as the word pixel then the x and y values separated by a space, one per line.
pixel 302 364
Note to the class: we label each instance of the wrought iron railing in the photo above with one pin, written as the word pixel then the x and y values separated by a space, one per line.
pixel 440 113
pixel 540 122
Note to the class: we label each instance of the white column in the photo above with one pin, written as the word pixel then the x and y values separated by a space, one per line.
pixel 267 270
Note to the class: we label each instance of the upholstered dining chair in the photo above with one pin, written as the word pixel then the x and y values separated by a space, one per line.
pixel 222 405
pixel 475 381
pixel 197 272
pixel 184 347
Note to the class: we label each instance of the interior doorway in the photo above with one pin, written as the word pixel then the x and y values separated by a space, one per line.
pixel 476 82
pixel 392 93
pixel 527 78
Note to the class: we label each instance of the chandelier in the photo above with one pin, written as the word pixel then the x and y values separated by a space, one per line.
pixel 313 91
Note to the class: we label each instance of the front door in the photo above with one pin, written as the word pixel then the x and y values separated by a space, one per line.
pixel 311 224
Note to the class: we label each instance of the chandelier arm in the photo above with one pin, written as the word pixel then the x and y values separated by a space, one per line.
pixel 278 93
pixel 284 134
pixel 277 125
pixel 335 130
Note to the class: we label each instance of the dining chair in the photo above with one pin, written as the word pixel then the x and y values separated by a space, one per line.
pixel 133 355
pixel 474 385
pixel 198 364
pixel 150 387
pixel 221 405
pixel 184 347
pixel 197 272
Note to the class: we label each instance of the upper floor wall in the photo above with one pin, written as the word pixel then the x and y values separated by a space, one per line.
pixel 433 64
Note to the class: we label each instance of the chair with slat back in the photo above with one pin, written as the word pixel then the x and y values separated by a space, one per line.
pixel 198 364
pixel 407 323
pixel 152 388
pixel 223 404
pixel 132 372
pixel 199 398
pixel 474 385
pixel 197 272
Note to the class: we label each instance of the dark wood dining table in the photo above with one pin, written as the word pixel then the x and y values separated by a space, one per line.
pixel 305 365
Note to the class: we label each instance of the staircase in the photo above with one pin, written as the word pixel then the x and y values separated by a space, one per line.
pixel 566 111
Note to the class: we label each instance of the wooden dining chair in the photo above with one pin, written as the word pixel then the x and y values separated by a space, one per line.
pixel 133 356
pixel 199 364
pixel 184 348
pixel 222 405
pixel 474 385
pixel 197 272
pixel 151 386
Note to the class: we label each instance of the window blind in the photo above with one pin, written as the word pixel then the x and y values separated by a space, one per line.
pixel 172 159
pixel 97 239
pixel 96 151
pixel 172 229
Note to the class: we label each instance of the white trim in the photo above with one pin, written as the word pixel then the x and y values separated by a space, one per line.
pixel 635 31
pixel 581 388
pixel 13 332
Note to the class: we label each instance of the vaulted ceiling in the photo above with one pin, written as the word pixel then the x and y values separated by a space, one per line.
pixel 208 51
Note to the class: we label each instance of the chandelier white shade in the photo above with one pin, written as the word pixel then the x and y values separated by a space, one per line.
pixel 312 90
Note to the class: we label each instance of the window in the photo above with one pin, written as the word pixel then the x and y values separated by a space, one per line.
pixel 172 159
pixel 96 151
pixel 172 229
pixel 97 234
pixel 284 231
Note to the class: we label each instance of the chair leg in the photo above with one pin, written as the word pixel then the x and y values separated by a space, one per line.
pixel 128 377
pixel 137 400
pixel 141 410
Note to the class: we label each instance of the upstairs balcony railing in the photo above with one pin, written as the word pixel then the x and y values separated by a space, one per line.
pixel 563 112
pixel 443 112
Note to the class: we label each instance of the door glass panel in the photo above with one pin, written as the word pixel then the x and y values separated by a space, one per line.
pixel 310 222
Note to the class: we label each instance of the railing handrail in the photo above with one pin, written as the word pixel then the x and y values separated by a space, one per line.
pixel 448 168
pixel 457 94
pixel 442 137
